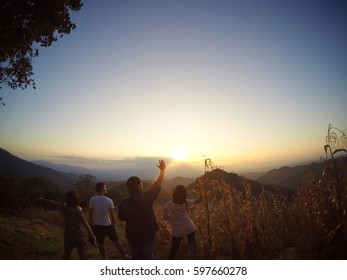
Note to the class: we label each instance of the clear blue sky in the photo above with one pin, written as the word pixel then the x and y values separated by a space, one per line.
pixel 238 81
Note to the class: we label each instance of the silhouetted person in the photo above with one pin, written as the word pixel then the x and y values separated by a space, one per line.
pixel 74 221
pixel 180 223
pixel 102 219
pixel 137 212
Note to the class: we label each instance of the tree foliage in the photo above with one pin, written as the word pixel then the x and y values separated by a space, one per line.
pixel 24 26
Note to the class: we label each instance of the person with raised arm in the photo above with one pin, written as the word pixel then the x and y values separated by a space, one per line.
pixel 137 212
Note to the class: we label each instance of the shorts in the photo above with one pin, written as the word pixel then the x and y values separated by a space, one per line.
pixel 101 231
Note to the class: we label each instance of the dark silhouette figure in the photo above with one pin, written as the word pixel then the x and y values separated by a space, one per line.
pixel 137 212
pixel 74 222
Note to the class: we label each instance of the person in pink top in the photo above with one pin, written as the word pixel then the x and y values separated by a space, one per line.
pixel 180 223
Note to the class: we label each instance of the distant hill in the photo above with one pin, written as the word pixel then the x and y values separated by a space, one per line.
pixel 113 174
pixel 15 167
pixel 237 182
pixel 253 175
pixel 292 177
pixel 101 174
pixel 121 173
pixel 63 167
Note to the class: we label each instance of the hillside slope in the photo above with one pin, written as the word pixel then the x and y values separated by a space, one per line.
pixel 239 182
pixel 292 177
pixel 15 167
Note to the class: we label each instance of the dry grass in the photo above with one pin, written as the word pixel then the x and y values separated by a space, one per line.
pixel 236 225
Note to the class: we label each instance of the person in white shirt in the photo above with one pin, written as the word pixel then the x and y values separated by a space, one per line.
pixel 180 223
pixel 102 220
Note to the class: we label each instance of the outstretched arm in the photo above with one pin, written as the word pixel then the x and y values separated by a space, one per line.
pixel 52 203
pixel 199 199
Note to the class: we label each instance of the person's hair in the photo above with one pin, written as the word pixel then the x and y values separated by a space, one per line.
pixel 133 184
pixel 72 199
pixel 179 194
pixel 99 186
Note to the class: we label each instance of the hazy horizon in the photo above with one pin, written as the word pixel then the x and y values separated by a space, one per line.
pixel 143 165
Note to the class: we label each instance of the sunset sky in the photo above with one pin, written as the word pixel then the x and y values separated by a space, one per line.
pixel 241 82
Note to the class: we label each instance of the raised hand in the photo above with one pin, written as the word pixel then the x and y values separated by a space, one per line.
pixel 161 165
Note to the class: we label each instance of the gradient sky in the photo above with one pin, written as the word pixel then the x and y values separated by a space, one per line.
pixel 241 82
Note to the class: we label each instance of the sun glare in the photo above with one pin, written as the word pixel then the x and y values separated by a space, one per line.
pixel 179 155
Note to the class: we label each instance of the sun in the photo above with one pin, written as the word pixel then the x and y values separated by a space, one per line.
pixel 179 154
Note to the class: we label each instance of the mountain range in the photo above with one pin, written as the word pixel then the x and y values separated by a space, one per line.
pixel 121 173
pixel 12 166
pixel 15 167
pixel 292 177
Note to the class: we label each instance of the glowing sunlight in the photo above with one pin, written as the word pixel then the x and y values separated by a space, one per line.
pixel 179 154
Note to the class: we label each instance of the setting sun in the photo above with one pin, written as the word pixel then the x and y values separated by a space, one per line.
pixel 179 154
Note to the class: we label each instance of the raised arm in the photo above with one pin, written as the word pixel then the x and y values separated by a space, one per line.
pixel 162 167
pixel 153 193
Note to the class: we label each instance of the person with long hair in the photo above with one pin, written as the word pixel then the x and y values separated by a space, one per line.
pixel 74 222
pixel 180 224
